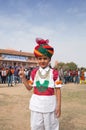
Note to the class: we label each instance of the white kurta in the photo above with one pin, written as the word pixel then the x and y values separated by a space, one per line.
pixel 44 103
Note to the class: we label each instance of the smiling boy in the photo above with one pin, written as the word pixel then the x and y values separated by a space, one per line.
pixel 45 103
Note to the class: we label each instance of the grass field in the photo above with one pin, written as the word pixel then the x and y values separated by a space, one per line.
pixel 14 112
pixel 73 107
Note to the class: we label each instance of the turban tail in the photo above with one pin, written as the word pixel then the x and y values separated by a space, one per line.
pixel 43 48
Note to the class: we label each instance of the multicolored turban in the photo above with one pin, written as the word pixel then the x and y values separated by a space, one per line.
pixel 43 48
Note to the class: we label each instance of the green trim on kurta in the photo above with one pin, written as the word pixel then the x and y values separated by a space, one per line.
pixel 42 87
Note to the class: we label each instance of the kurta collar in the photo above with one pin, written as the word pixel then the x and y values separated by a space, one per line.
pixel 43 71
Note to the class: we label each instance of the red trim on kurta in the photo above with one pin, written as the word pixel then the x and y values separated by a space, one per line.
pixel 55 74
pixel 33 73
pixel 48 92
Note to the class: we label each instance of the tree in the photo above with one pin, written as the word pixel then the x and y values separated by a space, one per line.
pixel 66 66
pixel 72 65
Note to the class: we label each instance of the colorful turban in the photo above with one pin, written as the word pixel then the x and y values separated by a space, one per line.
pixel 43 48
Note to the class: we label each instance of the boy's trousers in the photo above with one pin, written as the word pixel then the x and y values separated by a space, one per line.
pixel 44 121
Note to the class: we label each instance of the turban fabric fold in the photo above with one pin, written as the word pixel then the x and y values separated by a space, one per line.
pixel 43 48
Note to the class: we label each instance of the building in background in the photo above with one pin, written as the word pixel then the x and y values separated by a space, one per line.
pixel 9 57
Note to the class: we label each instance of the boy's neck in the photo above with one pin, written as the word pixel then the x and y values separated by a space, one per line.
pixel 44 67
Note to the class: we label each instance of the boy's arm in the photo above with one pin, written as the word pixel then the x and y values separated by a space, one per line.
pixel 58 98
pixel 25 82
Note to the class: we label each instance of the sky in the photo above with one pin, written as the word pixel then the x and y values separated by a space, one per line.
pixel 62 22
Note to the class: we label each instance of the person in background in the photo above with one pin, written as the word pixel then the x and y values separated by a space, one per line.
pixel 16 76
pixel 9 77
pixel 45 103
pixel 85 75
pixel 3 75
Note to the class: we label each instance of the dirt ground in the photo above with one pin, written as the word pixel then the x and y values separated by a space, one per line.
pixel 15 115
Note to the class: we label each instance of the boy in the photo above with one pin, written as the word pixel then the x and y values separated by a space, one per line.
pixel 45 103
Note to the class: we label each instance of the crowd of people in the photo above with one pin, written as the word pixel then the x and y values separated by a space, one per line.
pixel 73 76
pixel 10 74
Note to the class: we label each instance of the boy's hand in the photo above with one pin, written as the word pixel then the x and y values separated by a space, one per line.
pixel 28 84
pixel 58 112
pixel 21 73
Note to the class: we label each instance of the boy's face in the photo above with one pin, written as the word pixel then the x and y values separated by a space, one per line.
pixel 43 61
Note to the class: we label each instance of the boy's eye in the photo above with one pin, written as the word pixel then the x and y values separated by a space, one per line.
pixel 39 58
pixel 45 58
